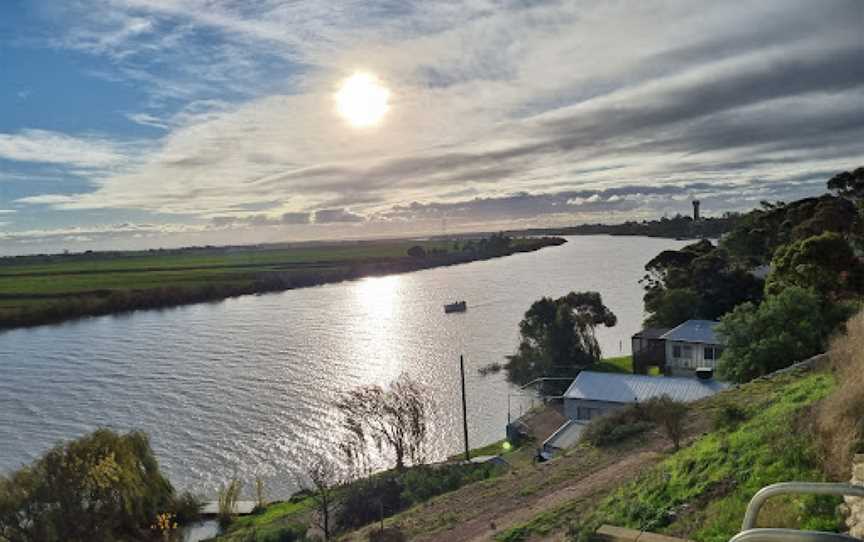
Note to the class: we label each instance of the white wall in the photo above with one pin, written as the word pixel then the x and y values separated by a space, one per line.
pixel 695 358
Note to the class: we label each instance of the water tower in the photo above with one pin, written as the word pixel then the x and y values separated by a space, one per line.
pixel 695 210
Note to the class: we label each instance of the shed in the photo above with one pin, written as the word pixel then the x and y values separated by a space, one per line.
pixel 594 394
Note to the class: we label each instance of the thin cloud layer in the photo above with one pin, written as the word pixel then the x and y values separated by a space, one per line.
pixel 500 113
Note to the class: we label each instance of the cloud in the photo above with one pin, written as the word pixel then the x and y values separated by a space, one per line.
pixel 331 216
pixel 44 146
pixel 146 119
pixel 528 109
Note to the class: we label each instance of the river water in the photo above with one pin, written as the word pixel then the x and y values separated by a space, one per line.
pixel 246 386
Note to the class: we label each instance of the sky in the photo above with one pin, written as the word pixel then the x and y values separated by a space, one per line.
pixel 147 123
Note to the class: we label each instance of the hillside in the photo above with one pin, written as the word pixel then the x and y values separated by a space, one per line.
pixel 737 442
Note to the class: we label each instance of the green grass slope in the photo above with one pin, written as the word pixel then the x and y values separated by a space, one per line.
pixel 756 435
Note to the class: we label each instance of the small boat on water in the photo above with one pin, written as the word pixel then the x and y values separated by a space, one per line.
pixel 458 306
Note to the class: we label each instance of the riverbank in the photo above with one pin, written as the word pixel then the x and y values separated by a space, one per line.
pixel 38 290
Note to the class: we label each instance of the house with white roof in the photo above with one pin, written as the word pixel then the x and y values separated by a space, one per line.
pixel 692 346
pixel 593 394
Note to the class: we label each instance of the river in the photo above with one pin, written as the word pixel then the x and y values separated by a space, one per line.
pixel 246 386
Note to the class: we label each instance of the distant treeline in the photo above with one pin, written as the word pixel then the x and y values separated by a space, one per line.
pixel 52 308
pixel 676 227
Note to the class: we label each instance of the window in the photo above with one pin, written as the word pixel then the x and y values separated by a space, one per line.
pixel 710 353
pixel 676 351
pixel 688 351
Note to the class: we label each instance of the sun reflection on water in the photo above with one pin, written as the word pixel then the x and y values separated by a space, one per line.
pixel 378 295
pixel 377 301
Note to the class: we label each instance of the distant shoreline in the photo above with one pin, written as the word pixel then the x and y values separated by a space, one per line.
pixel 32 294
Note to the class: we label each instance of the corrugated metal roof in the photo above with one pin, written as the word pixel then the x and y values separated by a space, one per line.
pixel 694 331
pixel 627 388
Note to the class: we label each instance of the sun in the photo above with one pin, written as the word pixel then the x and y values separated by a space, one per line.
pixel 362 100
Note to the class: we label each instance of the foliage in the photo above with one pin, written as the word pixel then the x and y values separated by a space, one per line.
pixel 670 415
pixel 760 232
pixel 728 416
pixel 825 263
pixel 617 426
pixel 557 337
pixel 848 185
pixel 840 419
pixel 368 500
pixel 103 486
pixel 670 307
pixel 676 227
pixel 227 501
pixel 395 418
pixel 622 423
pixel 716 476
pixel 698 281
pixel 620 364
pixel 784 329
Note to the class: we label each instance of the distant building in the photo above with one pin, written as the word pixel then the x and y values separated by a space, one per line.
pixel 594 394
pixel 691 346
pixel 696 204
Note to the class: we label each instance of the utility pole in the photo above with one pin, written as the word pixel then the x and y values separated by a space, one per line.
pixel 464 408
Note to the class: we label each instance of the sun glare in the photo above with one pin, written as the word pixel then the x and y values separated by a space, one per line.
pixel 362 99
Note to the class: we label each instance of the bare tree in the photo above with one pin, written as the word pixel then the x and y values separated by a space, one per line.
pixel 322 479
pixel 395 418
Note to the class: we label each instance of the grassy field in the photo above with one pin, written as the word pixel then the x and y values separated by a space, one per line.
pixel 44 289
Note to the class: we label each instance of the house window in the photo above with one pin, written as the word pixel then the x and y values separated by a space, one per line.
pixel 676 351
pixel 688 351
pixel 710 353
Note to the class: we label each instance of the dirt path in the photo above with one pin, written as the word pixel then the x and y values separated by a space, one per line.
pixel 517 510
pixel 478 512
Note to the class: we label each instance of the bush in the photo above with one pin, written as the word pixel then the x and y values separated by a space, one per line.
pixel 840 417
pixel 617 426
pixel 784 329
pixel 369 500
pixel 365 501
pixel 102 486
pixel 728 416
pixel 670 415
pixel 423 483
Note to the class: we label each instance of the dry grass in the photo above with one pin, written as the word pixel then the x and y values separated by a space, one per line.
pixel 840 417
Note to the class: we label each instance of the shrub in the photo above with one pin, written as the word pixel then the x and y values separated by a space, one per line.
pixel 728 416
pixel 365 501
pixel 784 329
pixel 618 425
pixel 102 486
pixel 670 415
pixel 423 483
pixel 840 417
pixel 369 500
